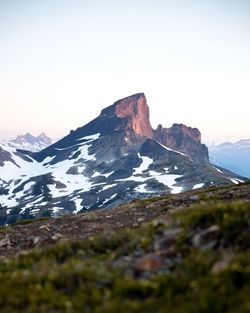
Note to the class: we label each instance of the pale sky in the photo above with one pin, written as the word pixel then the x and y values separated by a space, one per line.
pixel 62 62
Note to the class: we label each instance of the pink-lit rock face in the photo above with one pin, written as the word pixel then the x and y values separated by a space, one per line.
pixel 171 134
pixel 132 114
pixel 184 139
pixel 136 111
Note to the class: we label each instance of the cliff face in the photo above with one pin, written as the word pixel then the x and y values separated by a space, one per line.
pixel 130 118
pixel 132 114
pixel 185 139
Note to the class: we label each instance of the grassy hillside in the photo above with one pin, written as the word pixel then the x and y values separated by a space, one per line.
pixel 180 253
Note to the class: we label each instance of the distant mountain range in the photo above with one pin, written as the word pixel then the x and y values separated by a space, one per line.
pixel 111 160
pixel 234 156
pixel 30 142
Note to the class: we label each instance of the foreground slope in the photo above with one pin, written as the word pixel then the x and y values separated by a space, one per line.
pixel 194 257
pixel 113 159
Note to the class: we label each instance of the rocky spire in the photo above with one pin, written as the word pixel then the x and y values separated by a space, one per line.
pixel 136 111
pixel 133 113
pixel 185 139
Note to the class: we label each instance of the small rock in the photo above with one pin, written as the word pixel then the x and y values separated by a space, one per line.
pixel 158 223
pixel 138 253
pixel 229 195
pixel 45 226
pixel 220 266
pixel 168 238
pixel 108 216
pixel 150 206
pixel 196 240
pixel 210 234
pixel 57 236
pixel 5 242
pixel 135 225
pixel 149 262
pixel 170 233
pixel 210 245
pixel 194 198
pixel 170 252
pixel 34 240
pixel 212 228
pixel 140 219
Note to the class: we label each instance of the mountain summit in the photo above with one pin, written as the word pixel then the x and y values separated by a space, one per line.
pixel 30 142
pixel 111 160
pixel 131 113
pixel 130 116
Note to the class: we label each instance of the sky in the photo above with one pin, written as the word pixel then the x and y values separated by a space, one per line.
pixel 62 62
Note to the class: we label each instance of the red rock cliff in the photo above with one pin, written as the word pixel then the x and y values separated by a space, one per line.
pixel 136 111
pixel 184 139
pixel 132 114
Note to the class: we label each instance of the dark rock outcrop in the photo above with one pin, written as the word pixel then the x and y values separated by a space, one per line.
pixel 185 139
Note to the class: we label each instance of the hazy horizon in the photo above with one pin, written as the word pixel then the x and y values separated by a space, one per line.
pixel 62 62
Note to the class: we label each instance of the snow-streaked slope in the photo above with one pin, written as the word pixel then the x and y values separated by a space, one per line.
pixel 92 172
pixel 20 172
pixel 142 174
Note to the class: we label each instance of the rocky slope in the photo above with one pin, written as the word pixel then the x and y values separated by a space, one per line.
pixel 113 159
pixel 178 253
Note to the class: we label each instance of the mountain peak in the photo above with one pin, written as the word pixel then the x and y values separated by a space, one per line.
pixel 44 138
pixel 134 113
pixel 30 142
pixel 131 115
pixel 111 160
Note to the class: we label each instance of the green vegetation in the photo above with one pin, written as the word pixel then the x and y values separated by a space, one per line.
pixel 204 266
pixel 28 221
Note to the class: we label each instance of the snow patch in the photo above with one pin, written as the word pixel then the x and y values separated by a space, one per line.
pixel 34 211
pixel 169 149
pixel 110 198
pixel 91 137
pixel 146 161
pixel 217 169
pixel 56 209
pixel 78 205
pixel 167 179
pixel 8 201
pixel 170 181
pixel 240 180
pixel 196 186
pixel 108 186
pixel 235 181
pixel 107 174
pixel 141 188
